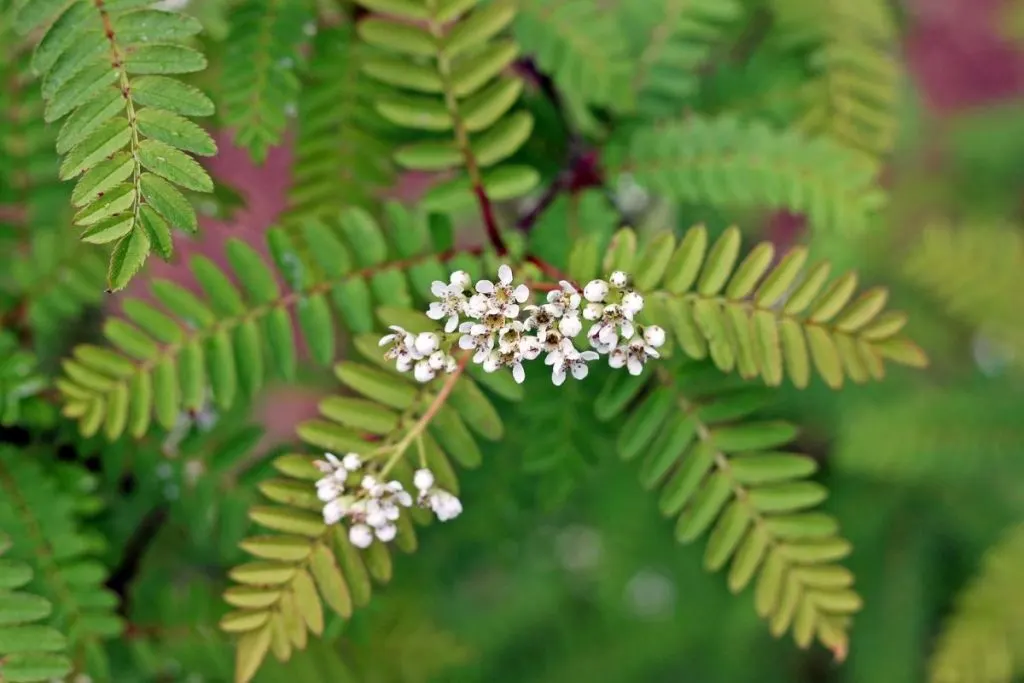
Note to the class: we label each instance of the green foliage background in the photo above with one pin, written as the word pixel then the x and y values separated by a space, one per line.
pixel 149 516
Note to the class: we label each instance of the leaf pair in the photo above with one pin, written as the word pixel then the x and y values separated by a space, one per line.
pixel 106 72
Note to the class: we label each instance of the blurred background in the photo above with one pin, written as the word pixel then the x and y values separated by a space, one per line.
pixel 561 569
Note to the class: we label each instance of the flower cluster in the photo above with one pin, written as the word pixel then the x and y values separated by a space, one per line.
pixel 502 330
pixel 352 491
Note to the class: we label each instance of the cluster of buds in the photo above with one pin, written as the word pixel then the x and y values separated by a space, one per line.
pixel 502 330
pixel 351 491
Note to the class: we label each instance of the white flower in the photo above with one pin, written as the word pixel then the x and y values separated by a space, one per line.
pixel 565 300
pixel 633 355
pixel 426 343
pixel 541 318
pixel 423 480
pixel 654 335
pixel 476 337
pixel 437 360
pixel 593 311
pixel 329 488
pixel 445 505
pixel 402 348
pixel 336 509
pixel 360 535
pixel 502 297
pixel 477 305
pixel 423 372
pixel 618 279
pixel 551 341
pixel 632 303
pixel 352 462
pixel 460 279
pixel 510 335
pixel 595 291
pixel 510 358
pixel 530 347
pixel 570 325
pixel 568 360
pixel 451 303
pixel 387 532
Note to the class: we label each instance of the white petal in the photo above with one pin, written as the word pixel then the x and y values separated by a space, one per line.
pixel 492 363
pixel 634 365
pixel 504 274
pixel 580 370
pixel 352 462
pixel 333 512
pixel 387 532
pixel 558 376
pixel 404 363
pixel 377 518
pixel 467 342
pixel 360 535
pixel 652 352
pixel 453 322
pixel 435 311
pixel 438 288
pixel 616 359
pixel 627 329
pixel 403 499
pixel 485 287
pixel 518 374
pixel 588 356
pixel 521 293
pixel 387 339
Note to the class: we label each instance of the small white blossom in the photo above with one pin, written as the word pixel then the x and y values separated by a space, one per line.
pixel 564 301
pixel 595 291
pixel 510 335
pixel 478 338
pixel 633 356
pixel 423 372
pixel 426 343
pixel 568 360
pixel 360 535
pixel 530 347
pixel 570 325
pixel 654 335
pixel 402 348
pixel 423 479
pixel 618 279
pixel 386 532
pixel 593 311
pixel 503 297
pixel 540 318
pixel 451 303
pixel 460 279
pixel 632 303
pixel 445 505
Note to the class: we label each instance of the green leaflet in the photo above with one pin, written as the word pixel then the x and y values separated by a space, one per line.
pixel 37 641
pixel 119 121
pixel 261 71
pixel 720 475
pixel 727 161
pixel 762 321
pixel 233 337
pixel 306 564
pixel 449 79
